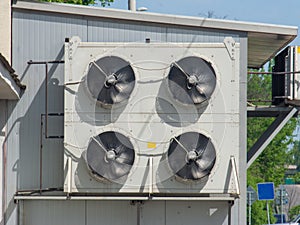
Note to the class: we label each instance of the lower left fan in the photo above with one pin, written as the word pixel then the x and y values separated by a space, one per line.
pixel 110 155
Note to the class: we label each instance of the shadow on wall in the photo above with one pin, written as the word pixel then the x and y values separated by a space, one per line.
pixel 40 164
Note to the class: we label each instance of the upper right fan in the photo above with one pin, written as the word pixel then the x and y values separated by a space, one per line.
pixel 191 80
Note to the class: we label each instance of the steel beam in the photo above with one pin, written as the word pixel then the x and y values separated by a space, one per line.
pixel 269 134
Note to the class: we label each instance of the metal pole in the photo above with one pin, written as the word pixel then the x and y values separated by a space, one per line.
pixel 46 99
pixel 268 214
pixel 281 202
pixel 249 207
pixel 132 5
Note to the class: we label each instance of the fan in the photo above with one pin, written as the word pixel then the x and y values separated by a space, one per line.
pixel 191 156
pixel 191 80
pixel 110 155
pixel 110 80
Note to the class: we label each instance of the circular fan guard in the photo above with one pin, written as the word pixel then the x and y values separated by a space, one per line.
pixel 110 155
pixel 191 156
pixel 191 80
pixel 110 80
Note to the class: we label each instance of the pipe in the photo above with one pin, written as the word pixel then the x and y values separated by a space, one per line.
pixel 4 165
pixel 69 175
pixel 151 176
pixel 46 100
pixel 41 155
pixel 132 5
pixel 30 62
pixel 270 73
pixel 139 198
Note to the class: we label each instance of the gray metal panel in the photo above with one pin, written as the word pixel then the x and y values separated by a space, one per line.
pixel 198 35
pixel 39 37
pixel 153 213
pixel 109 31
pixel 113 212
pixel 54 212
pixel 195 212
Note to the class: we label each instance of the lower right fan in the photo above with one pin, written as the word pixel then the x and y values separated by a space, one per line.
pixel 191 156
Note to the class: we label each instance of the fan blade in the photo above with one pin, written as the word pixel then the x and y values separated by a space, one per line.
pixel 119 170
pixel 110 155
pixel 191 155
pixel 195 77
pixel 125 156
pixel 100 69
pixel 184 172
pixel 190 140
pixel 181 69
pixel 207 158
pixel 176 157
pixel 103 88
pixel 205 164
pixel 197 97
pixel 96 154
pixel 198 173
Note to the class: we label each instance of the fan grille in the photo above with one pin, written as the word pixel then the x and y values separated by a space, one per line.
pixel 110 155
pixel 191 156
pixel 110 80
pixel 191 80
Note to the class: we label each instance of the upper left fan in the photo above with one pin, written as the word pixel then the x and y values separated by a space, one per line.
pixel 110 80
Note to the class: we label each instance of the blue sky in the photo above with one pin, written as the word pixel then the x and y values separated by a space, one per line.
pixel 263 11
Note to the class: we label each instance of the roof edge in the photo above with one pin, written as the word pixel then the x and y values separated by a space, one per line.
pixel 12 79
pixel 157 18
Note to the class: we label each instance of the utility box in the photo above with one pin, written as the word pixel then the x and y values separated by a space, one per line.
pixel 286 77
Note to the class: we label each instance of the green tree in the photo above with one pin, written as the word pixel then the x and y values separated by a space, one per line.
pixel 294 154
pixel 83 2
pixel 270 165
pixel 294 211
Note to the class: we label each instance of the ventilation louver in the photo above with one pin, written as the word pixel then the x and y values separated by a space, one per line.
pixel 191 156
pixel 110 80
pixel 191 80
pixel 110 155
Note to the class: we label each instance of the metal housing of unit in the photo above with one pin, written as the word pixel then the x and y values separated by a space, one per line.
pixel 147 118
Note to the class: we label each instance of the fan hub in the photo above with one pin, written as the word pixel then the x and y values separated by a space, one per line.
pixel 111 80
pixel 192 80
pixel 110 155
pixel 191 156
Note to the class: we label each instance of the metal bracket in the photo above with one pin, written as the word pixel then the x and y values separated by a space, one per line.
pixel 230 46
pixel 269 135
pixel 72 45
pixel 235 174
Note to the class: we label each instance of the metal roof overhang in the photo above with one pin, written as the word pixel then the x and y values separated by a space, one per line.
pixel 264 40
pixel 8 87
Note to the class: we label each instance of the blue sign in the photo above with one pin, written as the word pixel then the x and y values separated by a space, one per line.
pixel 265 191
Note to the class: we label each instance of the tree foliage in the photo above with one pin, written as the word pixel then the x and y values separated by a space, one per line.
pixel 83 2
pixel 295 211
pixel 270 165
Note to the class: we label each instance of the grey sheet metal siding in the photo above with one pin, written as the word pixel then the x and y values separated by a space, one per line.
pixel 40 36
pixel 119 31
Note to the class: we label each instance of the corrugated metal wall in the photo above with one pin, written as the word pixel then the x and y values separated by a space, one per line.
pixel 39 36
